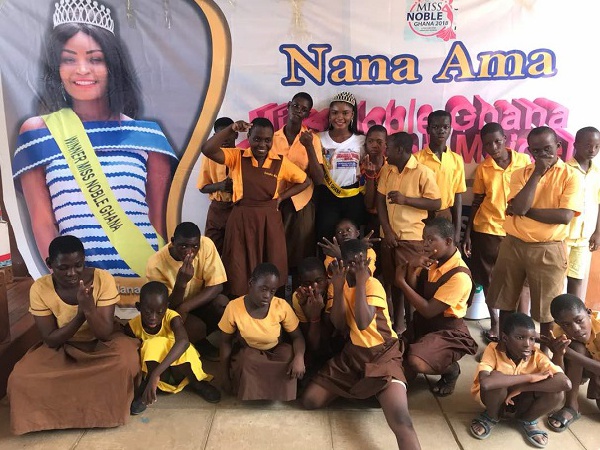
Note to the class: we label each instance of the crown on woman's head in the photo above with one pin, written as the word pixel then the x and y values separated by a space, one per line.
pixel 83 11
pixel 345 97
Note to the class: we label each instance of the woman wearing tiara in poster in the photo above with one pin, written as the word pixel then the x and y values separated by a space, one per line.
pixel 88 168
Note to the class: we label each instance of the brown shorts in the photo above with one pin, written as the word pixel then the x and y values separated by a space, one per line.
pixel 484 253
pixel 299 231
pixel 394 257
pixel 543 264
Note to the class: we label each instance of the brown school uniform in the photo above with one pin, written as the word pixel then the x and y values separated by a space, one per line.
pixel 298 212
pixel 220 202
pixel 84 383
pixel 259 368
pixel 372 358
pixel 255 232
pixel 443 339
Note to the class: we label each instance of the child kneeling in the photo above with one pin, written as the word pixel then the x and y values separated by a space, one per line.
pixel 261 367
pixel 169 361
pixel 515 378
pixel 371 361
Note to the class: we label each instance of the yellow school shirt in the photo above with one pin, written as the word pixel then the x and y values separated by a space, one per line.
pixel 455 292
pixel 210 173
pixel 494 182
pixel 289 172
pixel 156 347
pixel 593 343
pixel 495 359
pixel 380 329
pixel 296 153
pixel 370 255
pixel 417 181
pixel 44 301
pixel 449 173
pixel 262 334
pixel 208 268
pixel 558 188
pixel 583 226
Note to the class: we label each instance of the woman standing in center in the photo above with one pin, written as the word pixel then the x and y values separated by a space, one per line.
pixel 341 195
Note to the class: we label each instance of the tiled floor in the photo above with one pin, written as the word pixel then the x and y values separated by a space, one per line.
pixel 184 421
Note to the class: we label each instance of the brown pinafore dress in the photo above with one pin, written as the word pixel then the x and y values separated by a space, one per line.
pixel 254 232
pixel 439 341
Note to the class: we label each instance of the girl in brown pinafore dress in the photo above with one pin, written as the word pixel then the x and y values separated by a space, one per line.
pixel 438 336
pixel 254 232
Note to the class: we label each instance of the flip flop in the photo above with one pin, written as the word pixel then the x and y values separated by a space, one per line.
pixel 487 337
pixel 445 382
pixel 560 418
pixel 484 421
pixel 531 433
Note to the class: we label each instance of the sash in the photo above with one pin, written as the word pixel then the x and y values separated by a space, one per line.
pixel 336 190
pixel 74 143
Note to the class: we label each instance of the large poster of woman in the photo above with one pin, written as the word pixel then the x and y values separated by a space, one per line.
pixel 101 111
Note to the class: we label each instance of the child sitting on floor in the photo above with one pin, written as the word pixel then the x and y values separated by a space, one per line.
pixel 169 361
pixel 517 378
pixel 371 361
pixel 438 285
pixel 264 368
pixel 576 348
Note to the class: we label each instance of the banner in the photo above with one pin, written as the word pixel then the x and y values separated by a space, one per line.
pixel 520 63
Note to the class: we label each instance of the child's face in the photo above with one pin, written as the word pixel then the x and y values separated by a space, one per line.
pixel 588 145
pixel 346 231
pixel 520 343
pixel 153 308
pixel 67 269
pixel 435 245
pixel 308 279
pixel 230 141
pixel 262 290
pixel 352 260
pixel 576 324
pixel 543 146
pixel 494 145
pixel 261 140
pixel 439 130
pixel 376 143
pixel 395 154
pixel 185 246
pixel 298 109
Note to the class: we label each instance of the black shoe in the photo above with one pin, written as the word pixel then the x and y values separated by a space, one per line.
pixel 207 351
pixel 207 391
pixel 137 407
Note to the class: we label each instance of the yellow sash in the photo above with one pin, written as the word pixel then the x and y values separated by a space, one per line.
pixel 336 190
pixel 74 143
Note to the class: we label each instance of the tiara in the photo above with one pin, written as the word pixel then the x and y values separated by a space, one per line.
pixel 83 11
pixel 345 97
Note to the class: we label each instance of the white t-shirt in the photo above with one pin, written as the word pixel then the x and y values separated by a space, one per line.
pixel 343 158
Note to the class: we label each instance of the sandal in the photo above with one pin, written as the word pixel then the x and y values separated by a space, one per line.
pixel 485 422
pixel 488 337
pixel 531 433
pixel 446 384
pixel 559 417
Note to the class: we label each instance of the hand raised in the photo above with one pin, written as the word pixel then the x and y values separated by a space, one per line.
pixel 186 271
pixel 331 248
pixel 241 126
pixel 306 138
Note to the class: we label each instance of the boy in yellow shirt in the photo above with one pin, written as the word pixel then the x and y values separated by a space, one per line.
pixel 485 228
pixel 584 233
pixel 191 268
pixel 214 180
pixel 448 166
pixel 406 192
pixel 514 377
pixel 544 197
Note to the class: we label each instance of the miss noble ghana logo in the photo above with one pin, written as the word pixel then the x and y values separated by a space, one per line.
pixel 428 18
